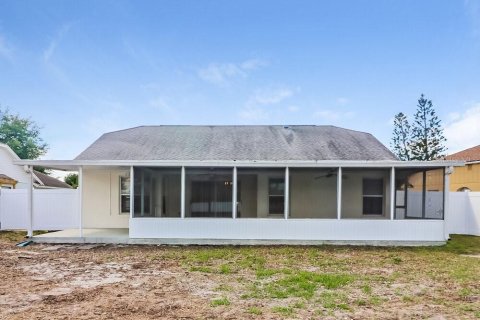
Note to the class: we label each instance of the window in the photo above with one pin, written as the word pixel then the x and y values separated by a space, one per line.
pixel 276 195
pixel 372 196
pixel 124 195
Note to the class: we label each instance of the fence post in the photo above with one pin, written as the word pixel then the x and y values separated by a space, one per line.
pixel 30 203
pixel 446 195
pixel 80 199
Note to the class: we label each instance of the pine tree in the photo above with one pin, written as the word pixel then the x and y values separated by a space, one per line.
pixel 428 141
pixel 401 137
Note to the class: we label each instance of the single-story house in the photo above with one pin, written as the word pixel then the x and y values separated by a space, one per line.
pixel 13 176
pixel 256 184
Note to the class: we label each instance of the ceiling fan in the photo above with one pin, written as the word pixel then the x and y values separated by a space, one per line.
pixel 329 174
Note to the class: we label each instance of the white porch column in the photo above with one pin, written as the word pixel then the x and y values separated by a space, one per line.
pixel 182 194
pixel 392 194
pixel 30 203
pixel 142 193
pixel 80 200
pixel 287 192
pixel 131 191
pixel 446 201
pixel 339 193
pixel 234 193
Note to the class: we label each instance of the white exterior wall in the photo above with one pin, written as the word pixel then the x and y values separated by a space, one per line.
pixel 101 199
pixel 291 229
pixel 12 170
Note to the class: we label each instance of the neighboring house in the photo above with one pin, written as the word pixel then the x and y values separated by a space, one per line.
pixel 6 182
pixel 44 181
pixel 13 176
pixel 239 184
pixel 12 171
pixel 466 178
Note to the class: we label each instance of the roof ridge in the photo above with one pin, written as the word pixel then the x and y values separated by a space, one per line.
pixel 236 125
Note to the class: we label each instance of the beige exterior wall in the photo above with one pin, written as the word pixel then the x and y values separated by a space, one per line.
pixel 313 194
pixel 248 193
pixel 352 197
pixel 101 199
pixel 468 176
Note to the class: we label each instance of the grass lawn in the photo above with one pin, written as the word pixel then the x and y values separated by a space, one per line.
pixel 240 282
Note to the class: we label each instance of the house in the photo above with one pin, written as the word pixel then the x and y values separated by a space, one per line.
pixel 44 181
pixel 466 178
pixel 13 176
pixel 254 184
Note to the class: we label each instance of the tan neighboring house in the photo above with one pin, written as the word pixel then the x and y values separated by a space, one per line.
pixel 6 182
pixel 466 178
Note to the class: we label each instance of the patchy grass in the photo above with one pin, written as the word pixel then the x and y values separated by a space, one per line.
pixel 17 236
pixel 284 311
pixel 304 284
pixel 460 244
pixel 238 282
pixel 220 302
pixel 255 310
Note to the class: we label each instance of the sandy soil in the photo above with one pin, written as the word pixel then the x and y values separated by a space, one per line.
pixel 145 282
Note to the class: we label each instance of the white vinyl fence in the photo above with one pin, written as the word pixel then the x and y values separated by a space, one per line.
pixel 56 209
pixel 53 209
pixel 464 214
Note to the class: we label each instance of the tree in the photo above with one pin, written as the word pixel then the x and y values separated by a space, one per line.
pixel 71 179
pixel 401 137
pixel 428 141
pixel 22 135
pixel 423 140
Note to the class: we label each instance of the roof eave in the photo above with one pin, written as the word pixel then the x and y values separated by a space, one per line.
pixel 75 164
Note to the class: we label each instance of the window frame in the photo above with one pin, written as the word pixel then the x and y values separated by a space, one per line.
pixel 270 179
pixel 382 196
pixel 122 194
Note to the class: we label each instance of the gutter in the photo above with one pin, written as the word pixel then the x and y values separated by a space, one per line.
pixel 75 164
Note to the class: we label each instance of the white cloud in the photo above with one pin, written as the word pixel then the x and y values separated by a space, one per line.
pixel 293 108
pixel 464 130
pixel 342 101
pixel 6 50
pixel 331 115
pixel 254 108
pixel 271 96
pixel 108 116
pixel 222 73
pixel 52 46
pixel 253 64
pixel 253 113
pixel 160 104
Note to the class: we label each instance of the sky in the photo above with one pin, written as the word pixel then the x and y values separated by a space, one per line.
pixel 83 68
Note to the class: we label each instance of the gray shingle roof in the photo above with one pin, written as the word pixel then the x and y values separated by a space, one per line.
pixel 268 143
pixel 49 181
